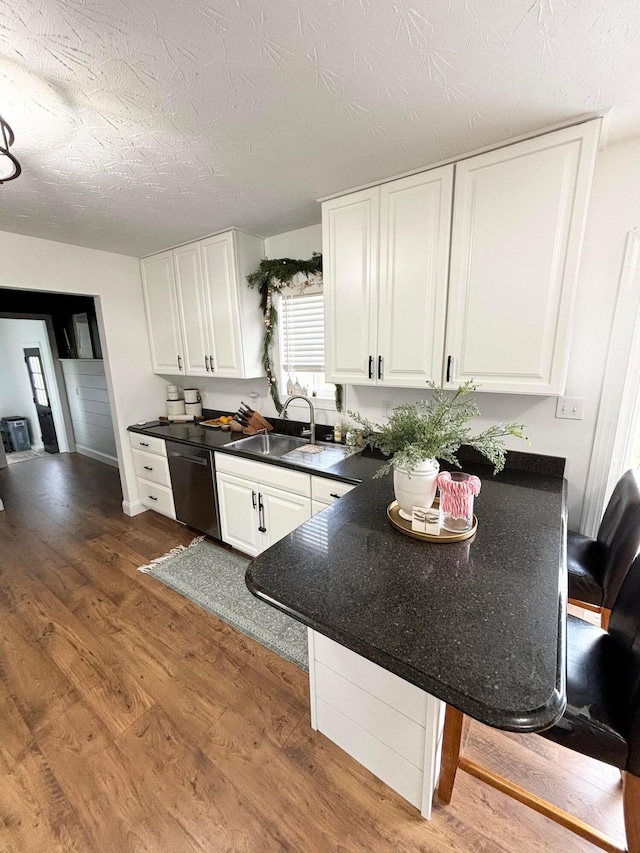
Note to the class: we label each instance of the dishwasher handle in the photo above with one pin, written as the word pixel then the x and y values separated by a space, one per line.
pixel 198 460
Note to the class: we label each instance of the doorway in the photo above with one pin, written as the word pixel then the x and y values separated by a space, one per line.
pixel 41 399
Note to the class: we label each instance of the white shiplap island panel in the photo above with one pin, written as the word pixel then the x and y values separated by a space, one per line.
pixel 86 386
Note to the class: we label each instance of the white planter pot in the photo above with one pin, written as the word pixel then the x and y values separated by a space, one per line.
pixel 416 487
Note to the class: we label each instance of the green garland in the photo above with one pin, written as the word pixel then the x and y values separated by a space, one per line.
pixel 271 278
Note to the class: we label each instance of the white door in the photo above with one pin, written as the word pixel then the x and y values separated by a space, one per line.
pixel 223 312
pixel 350 226
pixel 281 512
pixel 192 310
pixel 415 229
pixel 158 286
pixel 238 506
pixel 519 215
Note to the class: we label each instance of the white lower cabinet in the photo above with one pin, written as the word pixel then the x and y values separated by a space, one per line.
pixel 152 471
pixel 390 726
pixel 259 503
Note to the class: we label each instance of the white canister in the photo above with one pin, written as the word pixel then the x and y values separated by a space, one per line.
pixel 193 409
pixel 172 392
pixel 191 395
pixel 175 407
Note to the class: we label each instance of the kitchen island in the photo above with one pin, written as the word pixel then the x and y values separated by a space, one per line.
pixel 479 624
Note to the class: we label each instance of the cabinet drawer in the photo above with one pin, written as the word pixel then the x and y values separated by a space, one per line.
pixel 148 443
pixel 150 466
pixel 267 475
pixel 398 732
pixel 328 491
pixel 382 761
pixel 396 692
pixel 158 498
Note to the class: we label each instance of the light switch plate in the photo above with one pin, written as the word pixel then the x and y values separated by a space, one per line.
pixel 387 408
pixel 570 408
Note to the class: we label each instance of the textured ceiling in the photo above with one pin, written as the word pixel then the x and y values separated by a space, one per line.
pixel 144 123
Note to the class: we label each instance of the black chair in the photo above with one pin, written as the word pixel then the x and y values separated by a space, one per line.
pixel 597 567
pixel 602 718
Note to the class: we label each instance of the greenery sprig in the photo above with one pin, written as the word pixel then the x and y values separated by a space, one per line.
pixel 436 429
pixel 270 279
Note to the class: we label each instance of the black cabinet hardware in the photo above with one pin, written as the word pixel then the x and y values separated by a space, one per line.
pixel 211 363
pixel 253 499
pixel 333 495
pixel 144 444
pixel 206 363
pixel 379 367
pixel 370 367
pixel 148 467
pixel 152 497
pixel 261 528
pixel 179 363
pixel 449 364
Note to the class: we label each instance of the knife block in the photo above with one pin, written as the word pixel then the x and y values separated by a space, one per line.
pixel 255 423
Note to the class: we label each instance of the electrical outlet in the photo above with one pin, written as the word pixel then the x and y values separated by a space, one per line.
pixel 253 395
pixel 387 408
pixel 570 408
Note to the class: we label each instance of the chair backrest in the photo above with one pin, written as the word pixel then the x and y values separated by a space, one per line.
pixel 624 674
pixel 619 533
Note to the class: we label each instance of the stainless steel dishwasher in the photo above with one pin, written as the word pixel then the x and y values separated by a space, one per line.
pixel 194 487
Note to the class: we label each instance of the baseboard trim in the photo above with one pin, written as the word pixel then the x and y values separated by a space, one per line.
pixel 132 508
pixel 97 454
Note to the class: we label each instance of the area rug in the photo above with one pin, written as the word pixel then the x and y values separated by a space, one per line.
pixel 214 579
pixel 24 455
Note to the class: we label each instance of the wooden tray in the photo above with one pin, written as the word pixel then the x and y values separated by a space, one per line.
pixel 443 536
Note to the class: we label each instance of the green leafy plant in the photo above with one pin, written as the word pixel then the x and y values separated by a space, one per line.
pixel 436 429
pixel 269 279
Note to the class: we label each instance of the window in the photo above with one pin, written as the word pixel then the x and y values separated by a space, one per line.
pixel 302 344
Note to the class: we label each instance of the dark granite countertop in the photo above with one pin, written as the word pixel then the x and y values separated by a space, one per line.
pixel 480 624
pixel 354 469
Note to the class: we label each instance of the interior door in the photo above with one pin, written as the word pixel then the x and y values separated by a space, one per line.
pixel 41 399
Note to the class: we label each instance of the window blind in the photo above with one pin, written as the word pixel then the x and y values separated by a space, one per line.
pixel 302 329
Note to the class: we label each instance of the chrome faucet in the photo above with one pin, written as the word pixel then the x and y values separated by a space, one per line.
pixel 311 432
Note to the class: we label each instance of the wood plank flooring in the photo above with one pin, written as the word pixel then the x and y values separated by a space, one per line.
pixel 132 720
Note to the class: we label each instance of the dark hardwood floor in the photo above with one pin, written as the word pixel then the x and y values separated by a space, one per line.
pixel 132 720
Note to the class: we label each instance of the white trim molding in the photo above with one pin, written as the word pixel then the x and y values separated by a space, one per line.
pixel 132 508
pixel 619 402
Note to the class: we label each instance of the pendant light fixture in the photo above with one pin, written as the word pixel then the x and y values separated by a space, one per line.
pixel 9 166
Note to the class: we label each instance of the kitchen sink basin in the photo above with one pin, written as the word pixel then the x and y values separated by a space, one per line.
pixel 290 449
pixel 269 444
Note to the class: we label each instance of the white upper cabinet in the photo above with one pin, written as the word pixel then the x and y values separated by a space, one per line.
pixel 350 227
pixel 161 305
pixel 386 256
pixel 401 312
pixel 519 217
pixel 202 307
pixel 191 305
pixel 415 222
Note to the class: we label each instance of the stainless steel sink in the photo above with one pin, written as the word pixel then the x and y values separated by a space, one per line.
pixel 269 444
pixel 286 447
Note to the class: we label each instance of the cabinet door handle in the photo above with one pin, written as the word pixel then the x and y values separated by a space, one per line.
pixel 179 363
pixel 449 366
pixel 253 499
pixel 261 527
pixel 148 467
pixel 152 497
pixel 211 363
pixel 370 367
pixel 206 363
pixel 334 495
pixel 144 444
pixel 379 367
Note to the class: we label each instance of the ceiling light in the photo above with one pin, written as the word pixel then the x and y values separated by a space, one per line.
pixel 9 166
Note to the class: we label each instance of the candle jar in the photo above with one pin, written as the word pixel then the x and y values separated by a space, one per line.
pixel 457 491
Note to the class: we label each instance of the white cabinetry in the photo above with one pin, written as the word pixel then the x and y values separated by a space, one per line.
pixel 518 226
pixel 259 503
pixel 152 470
pixel 202 318
pixel 399 314
pixel 386 254
pixel 392 727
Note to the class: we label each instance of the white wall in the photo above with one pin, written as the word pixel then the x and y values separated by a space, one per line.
pixel 136 394
pixel 16 395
